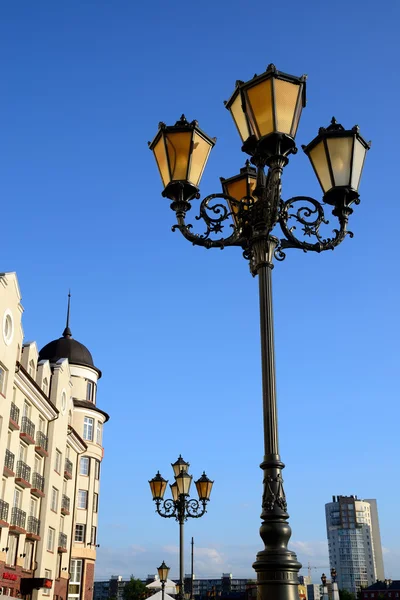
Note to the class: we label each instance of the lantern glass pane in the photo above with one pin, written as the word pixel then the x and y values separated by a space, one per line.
pixel 157 487
pixel 180 465
pixel 359 153
pixel 161 159
pixel 237 189
pixel 297 115
pixel 178 148
pixel 200 152
pixel 286 96
pixel 183 481
pixel 260 114
pixel 204 489
pixel 240 118
pixel 174 491
pixel 320 163
pixel 340 153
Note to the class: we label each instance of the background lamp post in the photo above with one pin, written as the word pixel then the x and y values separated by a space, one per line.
pixel 266 111
pixel 163 571
pixel 181 506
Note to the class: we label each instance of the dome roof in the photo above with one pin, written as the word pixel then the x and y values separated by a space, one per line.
pixel 67 347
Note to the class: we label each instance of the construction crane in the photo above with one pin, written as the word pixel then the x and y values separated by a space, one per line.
pixel 310 567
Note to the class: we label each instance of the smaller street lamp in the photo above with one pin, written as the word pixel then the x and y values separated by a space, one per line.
pixel 325 595
pixel 181 506
pixel 163 571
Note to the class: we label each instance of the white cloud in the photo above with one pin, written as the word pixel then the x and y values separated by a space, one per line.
pixel 214 560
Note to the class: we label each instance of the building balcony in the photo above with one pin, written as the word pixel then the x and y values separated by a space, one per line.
pixel 27 432
pixel 62 542
pixel 65 505
pixel 37 485
pixel 23 474
pixel 33 529
pixel 9 461
pixel 68 469
pixel 42 444
pixel 4 507
pixel 14 417
pixel 18 520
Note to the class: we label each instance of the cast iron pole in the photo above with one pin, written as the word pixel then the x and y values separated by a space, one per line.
pixel 276 566
pixel 191 572
pixel 181 547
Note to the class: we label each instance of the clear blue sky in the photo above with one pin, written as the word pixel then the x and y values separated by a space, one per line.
pixel 175 328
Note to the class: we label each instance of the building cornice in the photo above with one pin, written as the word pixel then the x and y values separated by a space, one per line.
pixel 90 406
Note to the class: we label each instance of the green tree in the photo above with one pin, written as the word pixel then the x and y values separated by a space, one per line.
pixel 134 589
pixel 345 595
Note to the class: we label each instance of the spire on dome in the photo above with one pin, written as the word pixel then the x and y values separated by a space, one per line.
pixel 67 332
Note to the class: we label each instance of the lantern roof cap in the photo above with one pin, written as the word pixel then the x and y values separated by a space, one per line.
pixel 181 124
pixel 335 129
pixel 271 71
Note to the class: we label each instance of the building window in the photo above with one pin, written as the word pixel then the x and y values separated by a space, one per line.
pixel 93 536
pixel 33 508
pixel 89 391
pixel 98 432
pixel 17 498
pixel 26 412
pixel 31 368
pixel 28 551
pixel 47 574
pixel 45 386
pixel 84 465
pixel 59 566
pixel 75 578
pixel 57 461
pixel 80 532
pixel 12 545
pixel 42 425
pixel 8 328
pixel 88 429
pixel 63 402
pixel 50 539
pixel 54 499
pixel 96 468
pixel 2 380
pixel 95 502
pixel 22 452
pixel 82 499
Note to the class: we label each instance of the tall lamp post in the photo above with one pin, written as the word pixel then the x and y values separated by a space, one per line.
pixel 266 111
pixel 181 506
pixel 163 571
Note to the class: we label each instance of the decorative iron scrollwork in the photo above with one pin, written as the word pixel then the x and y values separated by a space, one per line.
pixel 258 216
pixel 181 509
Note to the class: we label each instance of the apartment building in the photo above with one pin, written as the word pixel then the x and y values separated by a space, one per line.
pixel 51 450
pixel 354 542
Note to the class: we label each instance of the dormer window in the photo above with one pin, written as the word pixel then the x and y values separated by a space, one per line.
pixel 31 368
pixel 45 386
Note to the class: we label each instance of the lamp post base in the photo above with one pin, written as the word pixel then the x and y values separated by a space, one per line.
pixel 277 575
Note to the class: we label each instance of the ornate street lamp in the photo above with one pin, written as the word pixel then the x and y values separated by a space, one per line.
pixel 266 111
pixel 163 571
pixel 181 506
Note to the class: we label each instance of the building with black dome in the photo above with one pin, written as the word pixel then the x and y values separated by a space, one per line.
pixel 51 458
